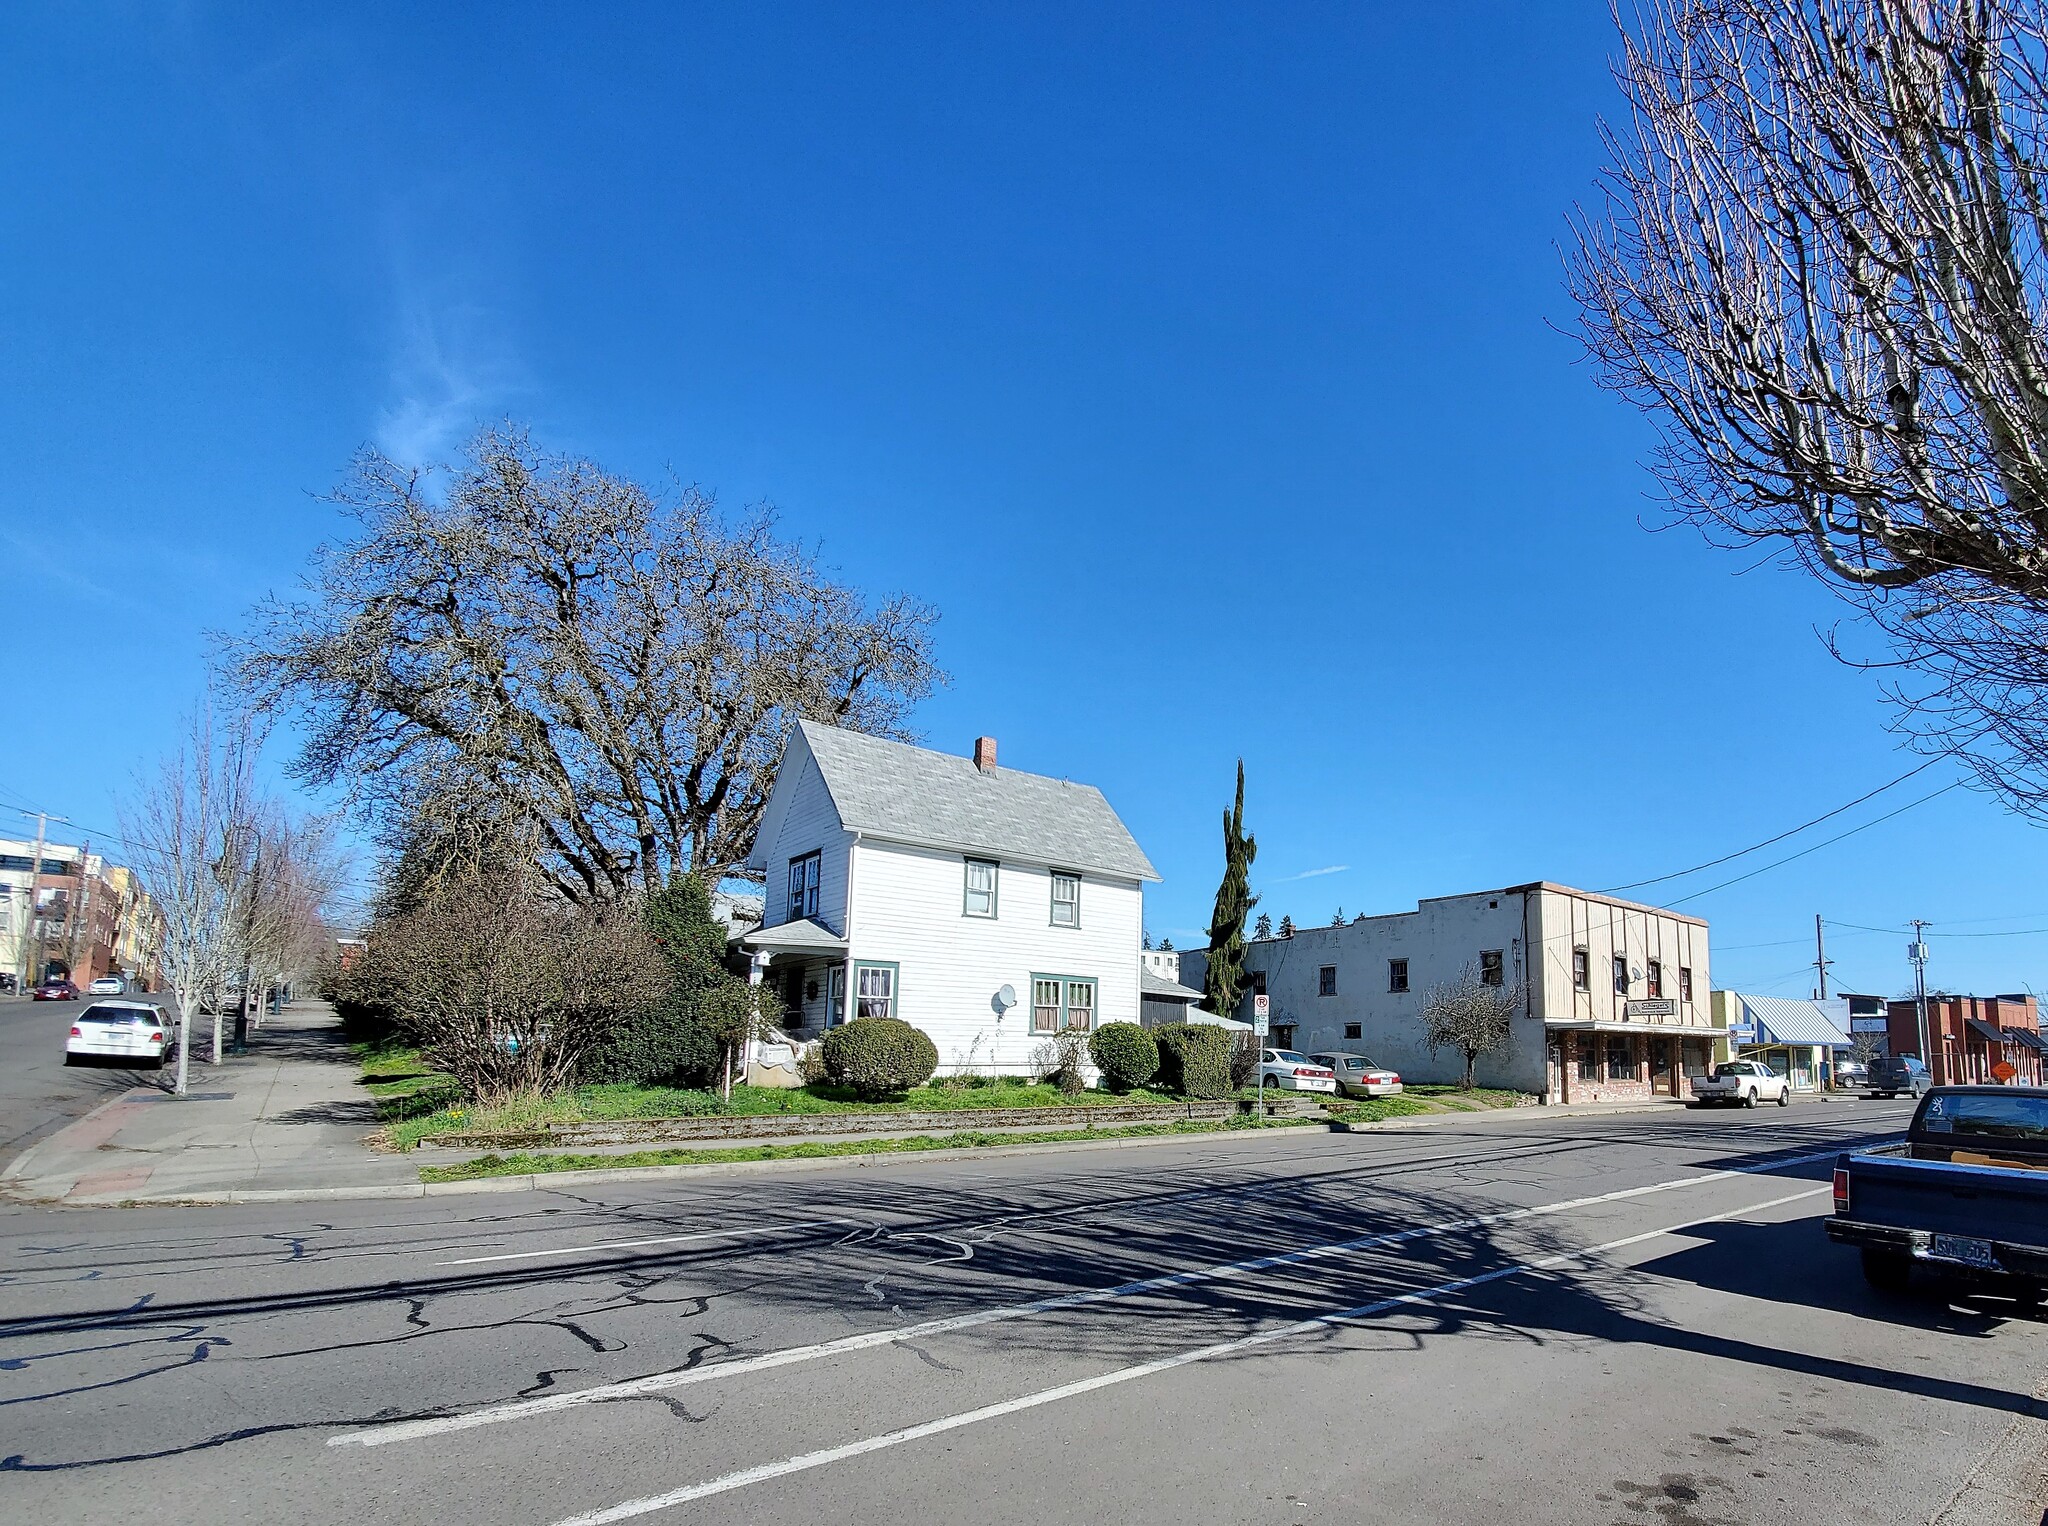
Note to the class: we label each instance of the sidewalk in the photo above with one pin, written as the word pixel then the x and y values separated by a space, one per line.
pixel 287 1116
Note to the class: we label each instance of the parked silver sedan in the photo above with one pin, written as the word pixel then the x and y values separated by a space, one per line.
pixel 1357 1076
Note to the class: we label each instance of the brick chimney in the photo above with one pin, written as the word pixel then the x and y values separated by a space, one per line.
pixel 985 754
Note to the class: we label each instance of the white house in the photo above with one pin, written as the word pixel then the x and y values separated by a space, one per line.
pixel 988 907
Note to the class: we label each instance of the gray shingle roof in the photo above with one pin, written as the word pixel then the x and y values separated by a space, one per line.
pixel 935 800
pixel 1150 984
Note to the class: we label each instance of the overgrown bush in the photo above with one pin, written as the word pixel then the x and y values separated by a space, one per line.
pixel 360 1001
pixel 1244 1060
pixel 682 1032
pixel 1194 1059
pixel 1126 1054
pixel 1058 1061
pixel 875 1056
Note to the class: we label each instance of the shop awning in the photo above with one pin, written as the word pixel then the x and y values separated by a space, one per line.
pixel 2028 1038
pixel 1986 1032
pixel 1782 1021
pixel 1670 1030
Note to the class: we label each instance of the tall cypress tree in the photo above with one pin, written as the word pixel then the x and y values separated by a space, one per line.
pixel 1223 982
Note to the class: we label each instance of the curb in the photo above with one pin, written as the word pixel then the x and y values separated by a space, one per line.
pixel 539 1181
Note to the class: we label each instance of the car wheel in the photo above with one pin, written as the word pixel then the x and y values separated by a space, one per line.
pixel 1785 1097
pixel 70 1059
pixel 1749 1098
pixel 1888 1271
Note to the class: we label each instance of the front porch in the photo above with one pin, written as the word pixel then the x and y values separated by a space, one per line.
pixel 1625 1062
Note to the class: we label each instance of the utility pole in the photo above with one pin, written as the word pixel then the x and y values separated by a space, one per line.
pixel 1820 957
pixel 1917 952
pixel 31 974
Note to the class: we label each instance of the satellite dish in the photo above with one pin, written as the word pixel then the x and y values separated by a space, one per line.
pixel 1006 998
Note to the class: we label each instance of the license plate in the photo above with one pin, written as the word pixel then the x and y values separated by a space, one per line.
pixel 1963 1249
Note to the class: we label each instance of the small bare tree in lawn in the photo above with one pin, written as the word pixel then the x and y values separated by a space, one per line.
pixel 1469 1015
pixel 186 830
pixel 506 985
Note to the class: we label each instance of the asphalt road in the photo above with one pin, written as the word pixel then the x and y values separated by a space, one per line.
pixel 38 1091
pixel 1622 1319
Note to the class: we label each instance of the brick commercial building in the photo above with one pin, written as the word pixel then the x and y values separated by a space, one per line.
pixel 1967 1035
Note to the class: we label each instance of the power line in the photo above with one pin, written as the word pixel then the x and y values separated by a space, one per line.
pixel 1826 842
pixel 1768 841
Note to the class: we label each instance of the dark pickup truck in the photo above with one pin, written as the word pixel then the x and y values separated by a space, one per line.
pixel 1965 1195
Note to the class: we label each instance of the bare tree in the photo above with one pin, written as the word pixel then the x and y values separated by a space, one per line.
pixel 1821 268
pixel 1469 1015
pixel 187 828
pixel 506 985
pixel 552 640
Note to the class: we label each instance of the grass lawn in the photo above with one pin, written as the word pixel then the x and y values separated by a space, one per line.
pixel 402 1082
pixel 1476 1100
pixel 523 1163
pixel 609 1104
pixel 1374 1109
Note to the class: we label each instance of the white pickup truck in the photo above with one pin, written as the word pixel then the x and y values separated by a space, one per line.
pixel 1741 1083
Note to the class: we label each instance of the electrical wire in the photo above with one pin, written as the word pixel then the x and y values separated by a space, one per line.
pixel 1768 841
pixel 1826 842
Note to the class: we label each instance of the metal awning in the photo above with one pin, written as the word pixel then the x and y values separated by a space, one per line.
pixel 2028 1038
pixel 808 936
pixel 1794 1024
pixel 1671 1030
pixel 1986 1031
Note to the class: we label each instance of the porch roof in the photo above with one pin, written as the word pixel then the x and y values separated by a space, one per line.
pixel 807 936
pixel 1150 984
pixel 1987 1032
pixel 1672 1030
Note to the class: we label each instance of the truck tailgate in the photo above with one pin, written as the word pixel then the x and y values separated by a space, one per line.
pixel 1945 1198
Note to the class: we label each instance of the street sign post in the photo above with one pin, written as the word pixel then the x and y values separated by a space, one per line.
pixel 1262 1014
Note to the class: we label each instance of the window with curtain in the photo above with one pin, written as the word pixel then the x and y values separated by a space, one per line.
pixel 874 990
pixel 981 887
pixel 1066 900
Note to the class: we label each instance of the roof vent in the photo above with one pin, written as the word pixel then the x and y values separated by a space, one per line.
pixel 985 754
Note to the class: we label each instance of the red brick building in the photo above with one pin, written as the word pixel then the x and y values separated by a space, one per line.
pixel 1969 1034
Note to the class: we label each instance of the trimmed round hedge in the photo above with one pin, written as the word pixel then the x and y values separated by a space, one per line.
pixel 1194 1059
pixel 875 1056
pixel 1125 1053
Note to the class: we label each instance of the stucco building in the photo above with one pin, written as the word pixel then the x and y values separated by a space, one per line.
pixel 1612 995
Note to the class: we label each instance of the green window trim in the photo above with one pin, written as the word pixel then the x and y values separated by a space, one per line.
pixel 1064 1006
pixel 895 997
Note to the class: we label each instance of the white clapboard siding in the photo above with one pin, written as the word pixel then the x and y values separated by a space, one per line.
pixel 805 821
pixel 907 910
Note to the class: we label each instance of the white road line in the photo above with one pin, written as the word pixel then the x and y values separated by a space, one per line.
pixel 709 1234
pixel 825 1458
pixel 663 1382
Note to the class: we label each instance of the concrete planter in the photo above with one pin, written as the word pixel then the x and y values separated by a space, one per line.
pixel 787 1125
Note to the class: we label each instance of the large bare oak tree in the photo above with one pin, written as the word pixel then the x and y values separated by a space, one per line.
pixel 1820 266
pixel 538 640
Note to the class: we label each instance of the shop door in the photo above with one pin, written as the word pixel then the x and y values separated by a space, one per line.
pixel 1663 1069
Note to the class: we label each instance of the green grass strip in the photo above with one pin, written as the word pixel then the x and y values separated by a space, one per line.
pixel 525 1163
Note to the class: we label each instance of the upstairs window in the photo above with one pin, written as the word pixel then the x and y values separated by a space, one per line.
pixel 1066 900
pixel 1653 979
pixel 1326 980
pixel 981 887
pixel 1492 971
pixel 1620 975
pixel 1684 983
pixel 803 886
pixel 1397 974
pixel 1582 972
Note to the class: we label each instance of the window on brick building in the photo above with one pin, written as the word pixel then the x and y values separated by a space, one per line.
pixel 1621 1061
pixel 1589 1060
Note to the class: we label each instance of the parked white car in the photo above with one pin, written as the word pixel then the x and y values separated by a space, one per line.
pixel 1288 1071
pixel 1741 1083
pixel 1359 1077
pixel 108 985
pixel 121 1030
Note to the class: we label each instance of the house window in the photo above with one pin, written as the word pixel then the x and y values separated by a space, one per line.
pixel 981 887
pixel 1491 972
pixel 1397 974
pixel 1066 900
pixel 1620 976
pixel 1621 1060
pixel 803 886
pixel 1326 980
pixel 835 996
pixel 1354 1030
pixel 1582 972
pixel 1060 1001
pixel 1589 1060
pixel 1684 983
pixel 874 987
pixel 1653 979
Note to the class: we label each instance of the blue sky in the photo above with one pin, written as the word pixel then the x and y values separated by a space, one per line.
pixel 1201 365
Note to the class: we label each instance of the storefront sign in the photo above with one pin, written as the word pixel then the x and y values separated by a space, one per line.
pixel 1654 1006
pixel 1869 1025
pixel 1742 1033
